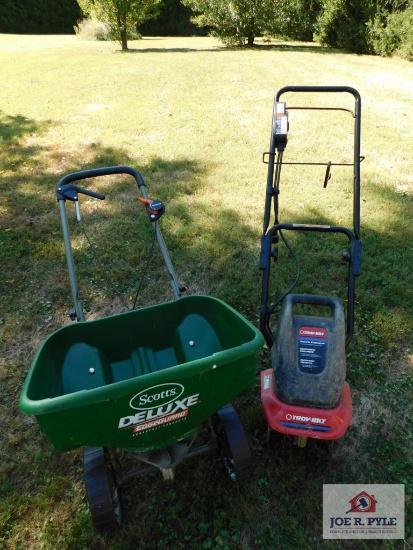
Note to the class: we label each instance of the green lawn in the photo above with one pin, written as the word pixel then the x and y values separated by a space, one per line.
pixel 195 118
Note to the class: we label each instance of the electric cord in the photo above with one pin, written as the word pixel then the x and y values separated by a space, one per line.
pixel 276 186
pixel 297 277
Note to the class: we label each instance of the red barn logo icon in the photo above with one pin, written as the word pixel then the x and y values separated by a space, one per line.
pixel 363 502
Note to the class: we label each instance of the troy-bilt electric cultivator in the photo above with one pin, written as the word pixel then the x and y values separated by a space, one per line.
pixel 305 394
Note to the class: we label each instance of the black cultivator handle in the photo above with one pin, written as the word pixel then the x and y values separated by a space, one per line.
pixel 311 89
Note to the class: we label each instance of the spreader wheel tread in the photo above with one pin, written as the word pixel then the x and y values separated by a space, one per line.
pixel 101 490
pixel 233 442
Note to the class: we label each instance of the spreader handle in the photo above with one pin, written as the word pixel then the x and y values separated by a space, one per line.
pixel 96 172
pixel 63 186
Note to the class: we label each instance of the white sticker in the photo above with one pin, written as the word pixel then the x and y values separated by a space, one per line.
pixel 281 126
pixel 363 511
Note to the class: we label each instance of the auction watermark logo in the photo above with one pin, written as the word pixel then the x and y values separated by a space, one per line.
pixel 363 511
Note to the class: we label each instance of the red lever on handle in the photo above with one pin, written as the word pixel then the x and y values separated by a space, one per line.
pixel 157 207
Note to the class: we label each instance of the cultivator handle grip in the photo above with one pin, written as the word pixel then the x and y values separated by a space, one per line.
pixel 316 89
pixel 313 300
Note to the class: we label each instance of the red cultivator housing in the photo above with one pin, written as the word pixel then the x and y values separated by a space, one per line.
pixel 302 421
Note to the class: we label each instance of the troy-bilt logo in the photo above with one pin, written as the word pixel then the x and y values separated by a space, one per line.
pixel 157 406
pixel 312 332
pixel 311 419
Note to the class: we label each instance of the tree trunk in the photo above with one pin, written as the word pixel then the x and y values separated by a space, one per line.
pixel 251 38
pixel 123 31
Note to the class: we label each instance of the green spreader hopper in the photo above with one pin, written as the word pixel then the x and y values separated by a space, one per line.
pixel 143 379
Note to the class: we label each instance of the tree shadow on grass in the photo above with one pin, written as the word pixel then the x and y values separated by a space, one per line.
pixel 282 46
pixel 297 47
pixel 215 249
pixel 171 50
pixel 14 127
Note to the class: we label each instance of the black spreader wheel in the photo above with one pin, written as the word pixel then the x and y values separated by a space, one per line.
pixel 233 443
pixel 101 490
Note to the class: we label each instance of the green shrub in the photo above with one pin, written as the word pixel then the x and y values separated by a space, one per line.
pixel 343 24
pixel 392 33
pixel 234 22
pixel 295 19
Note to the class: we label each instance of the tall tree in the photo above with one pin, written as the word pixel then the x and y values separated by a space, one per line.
pixel 121 16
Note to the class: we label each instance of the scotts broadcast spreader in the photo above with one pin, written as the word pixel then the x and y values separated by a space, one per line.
pixel 305 394
pixel 141 382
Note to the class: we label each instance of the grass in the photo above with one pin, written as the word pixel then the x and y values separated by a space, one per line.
pixel 195 118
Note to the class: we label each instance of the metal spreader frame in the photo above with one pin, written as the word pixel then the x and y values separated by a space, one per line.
pixel 67 191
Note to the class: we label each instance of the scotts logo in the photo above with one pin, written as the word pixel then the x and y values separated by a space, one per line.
pixel 158 406
pixel 156 396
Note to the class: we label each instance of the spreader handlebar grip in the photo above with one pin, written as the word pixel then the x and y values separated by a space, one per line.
pixel 97 172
